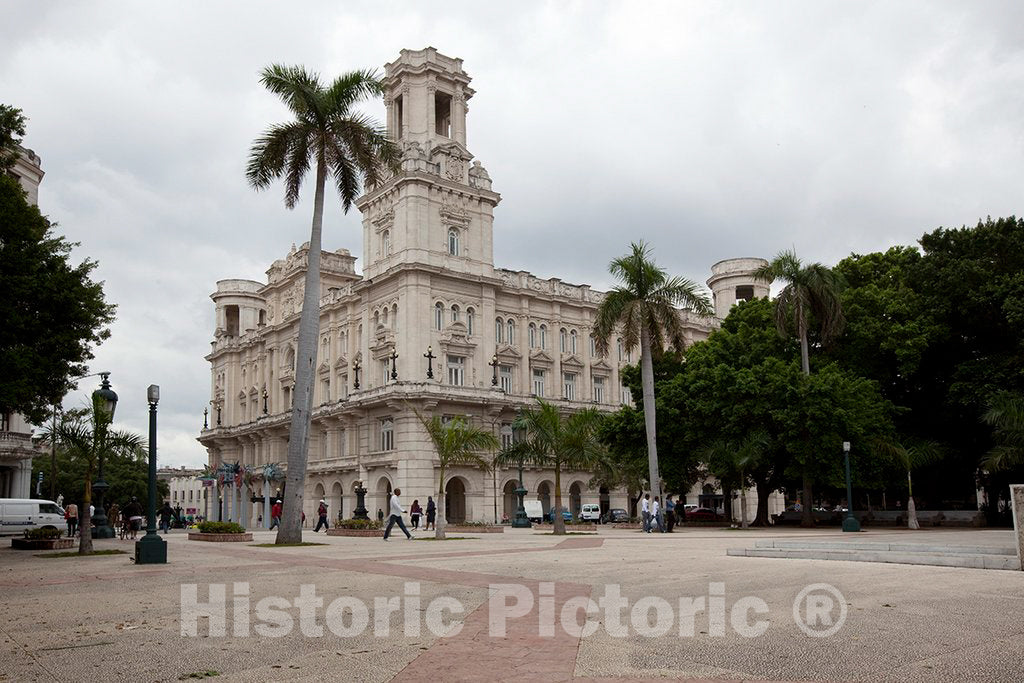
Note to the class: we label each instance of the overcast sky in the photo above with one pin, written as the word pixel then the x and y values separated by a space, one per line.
pixel 711 130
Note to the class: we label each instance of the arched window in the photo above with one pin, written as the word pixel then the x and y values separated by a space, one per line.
pixel 593 346
pixel 384 317
pixel 511 328
pixel 438 315
pixel 376 320
pixel 562 345
pixel 453 242
pixel 572 342
pixel 532 332
pixel 394 317
pixel 387 434
pixel 385 243
pixel 499 329
pixel 543 336
pixel 618 344
pixel 470 315
pixel 455 313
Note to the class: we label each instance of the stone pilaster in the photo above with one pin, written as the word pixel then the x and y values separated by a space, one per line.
pixel 1017 501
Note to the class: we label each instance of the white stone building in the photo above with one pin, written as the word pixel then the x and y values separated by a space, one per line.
pixel 497 337
pixel 16 446
pixel 188 492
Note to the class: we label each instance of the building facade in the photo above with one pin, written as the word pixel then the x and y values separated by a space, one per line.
pixel 195 497
pixel 16 446
pixel 430 326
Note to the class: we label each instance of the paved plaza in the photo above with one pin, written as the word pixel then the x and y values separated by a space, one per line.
pixel 102 618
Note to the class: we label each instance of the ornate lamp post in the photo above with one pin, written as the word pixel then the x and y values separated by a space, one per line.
pixel 218 415
pixel 206 415
pixel 108 403
pixel 494 371
pixel 850 523
pixel 521 521
pixel 151 549
pixel 355 369
pixel 429 355
pixel 394 371
pixel 360 511
pixel 265 397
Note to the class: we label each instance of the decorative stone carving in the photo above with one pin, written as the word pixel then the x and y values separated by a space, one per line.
pixel 454 168
pixel 454 215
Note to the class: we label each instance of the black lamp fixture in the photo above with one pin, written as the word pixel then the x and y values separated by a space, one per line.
pixel 429 355
pixel 105 399
pixel 265 397
pixel 355 370
pixel 394 370
pixel 206 418
pixel 494 367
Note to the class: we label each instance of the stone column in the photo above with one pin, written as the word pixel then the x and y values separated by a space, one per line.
pixel 266 503
pixel 1017 501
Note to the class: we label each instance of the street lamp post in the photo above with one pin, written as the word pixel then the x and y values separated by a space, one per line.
pixel 151 549
pixel 206 418
pixel 394 370
pixel 355 369
pixel 360 511
pixel 850 523
pixel 429 355
pixel 266 395
pixel 107 400
pixel 521 521
pixel 494 371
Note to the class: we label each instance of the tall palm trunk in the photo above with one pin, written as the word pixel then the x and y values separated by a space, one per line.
pixel 647 376
pixel 807 517
pixel 439 517
pixel 290 530
pixel 743 501
pixel 556 515
pixel 912 522
pixel 85 518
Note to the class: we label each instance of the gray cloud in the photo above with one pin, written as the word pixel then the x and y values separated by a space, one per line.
pixel 709 130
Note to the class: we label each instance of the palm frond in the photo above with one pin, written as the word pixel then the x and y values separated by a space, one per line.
pixel 299 89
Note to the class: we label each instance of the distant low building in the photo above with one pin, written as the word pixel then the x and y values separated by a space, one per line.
pixel 187 491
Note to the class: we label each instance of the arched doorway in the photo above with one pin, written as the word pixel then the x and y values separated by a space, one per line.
pixel 544 496
pixel 606 504
pixel 383 499
pixel 511 502
pixel 455 501
pixel 575 500
pixel 319 493
pixel 337 501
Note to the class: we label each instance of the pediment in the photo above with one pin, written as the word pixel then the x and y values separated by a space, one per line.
pixel 508 353
pixel 540 356
pixel 324 368
pixel 572 362
pixel 601 364
pixel 340 363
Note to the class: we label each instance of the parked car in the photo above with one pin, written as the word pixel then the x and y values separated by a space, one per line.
pixel 702 515
pixel 18 514
pixel 616 515
pixel 590 512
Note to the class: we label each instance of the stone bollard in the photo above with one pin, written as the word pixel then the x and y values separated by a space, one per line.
pixel 1017 503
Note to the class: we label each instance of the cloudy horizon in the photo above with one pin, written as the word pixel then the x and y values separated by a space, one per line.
pixel 709 130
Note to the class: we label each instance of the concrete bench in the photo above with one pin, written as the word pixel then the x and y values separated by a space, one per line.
pixel 886 518
pixel 962 518
pixel 929 517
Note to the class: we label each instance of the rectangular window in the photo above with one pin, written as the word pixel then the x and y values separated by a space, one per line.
pixel 506 435
pixel 456 371
pixel 599 390
pixel 325 391
pixel 505 374
pixel 344 387
pixel 627 396
pixel 569 386
pixel 190 495
pixel 443 114
pixel 538 383
pixel 387 434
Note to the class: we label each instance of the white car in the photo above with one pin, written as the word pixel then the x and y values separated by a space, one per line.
pixel 591 512
pixel 18 514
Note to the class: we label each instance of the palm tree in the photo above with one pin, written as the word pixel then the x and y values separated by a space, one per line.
pixel 644 307
pixel 85 436
pixel 556 441
pixel 354 150
pixel 457 443
pixel 910 457
pixel 1006 413
pixel 730 459
pixel 810 290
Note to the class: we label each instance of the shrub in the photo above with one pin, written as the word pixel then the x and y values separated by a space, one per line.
pixel 221 528
pixel 42 534
pixel 358 524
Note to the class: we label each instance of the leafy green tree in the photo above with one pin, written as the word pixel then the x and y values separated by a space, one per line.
pixel 556 441
pixel 53 313
pixel 456 442
pixel 644 308
pixel 12 129
pixel 1006 415
pixel 910 457
pixel 83 438
pixel 811 295
pixel 732 460
pixel 329 134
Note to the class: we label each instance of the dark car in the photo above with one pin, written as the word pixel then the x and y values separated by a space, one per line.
pixel 615 515
pixel 702 515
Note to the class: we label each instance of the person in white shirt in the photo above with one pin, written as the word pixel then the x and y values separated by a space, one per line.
pixel 655 519
pixel 645 512
pixel 395 512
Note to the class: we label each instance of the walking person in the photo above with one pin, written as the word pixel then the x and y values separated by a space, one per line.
pixel 395 515
pixel 275 514
pixel 670 514
pixel 431 513
pixel 71 515
pixel 655 518
pixel 645 512
pixel 321 512
pixel 166 512
pixel 414 514
pixel 134 512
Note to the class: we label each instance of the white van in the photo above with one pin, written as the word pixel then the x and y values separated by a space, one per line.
pixel 591 512
pixel 534 510
pixel 18 514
